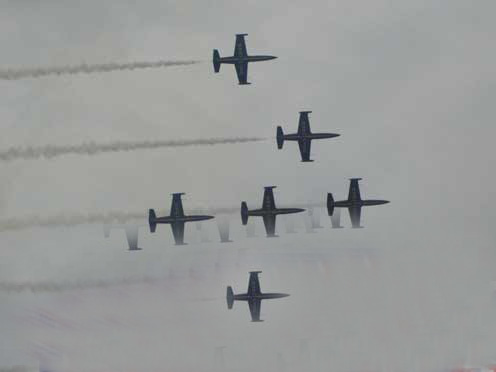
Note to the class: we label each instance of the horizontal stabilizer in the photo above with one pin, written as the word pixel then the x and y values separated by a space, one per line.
pixel 152 220
pixel 244 213
pixel 280 138
pixel 330 204
pixel 216 60
pixel 230 297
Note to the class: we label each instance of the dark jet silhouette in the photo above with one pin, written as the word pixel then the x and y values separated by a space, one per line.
pixel 304 136
pixel 254 296
pixel 240 59
pixel 336 219
pixel 354 203
pixel 177 219
pixel 268 212
pixel 131 234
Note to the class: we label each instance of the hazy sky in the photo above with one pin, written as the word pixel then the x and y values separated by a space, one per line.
pixel 410 87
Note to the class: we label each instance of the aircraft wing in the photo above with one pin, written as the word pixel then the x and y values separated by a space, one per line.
pixel 242 72
pixel 305 145
pixel 178 232
pixel 304 123
pixel 354 191
pixel 268 202
pixel 240 46
pixel 253 284
pixel 255 307
pixel 270 224
pixel 355 213
pixel 132 237
pixel 177 206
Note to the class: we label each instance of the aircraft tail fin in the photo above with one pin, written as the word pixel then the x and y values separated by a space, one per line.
pixel 244 213
pixel 280 138
pixel 330 204
pixel 230 297
pixel 152 220
pixel 216 60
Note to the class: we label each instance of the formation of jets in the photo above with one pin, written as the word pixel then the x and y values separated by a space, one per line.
pixel 268 211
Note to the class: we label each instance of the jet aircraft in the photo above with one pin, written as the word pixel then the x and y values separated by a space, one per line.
pixel 240 59
pixel 354 203
pixel 304 136
pixel 177 219
pixel 254 296
pixel 268 211
pixel 131 234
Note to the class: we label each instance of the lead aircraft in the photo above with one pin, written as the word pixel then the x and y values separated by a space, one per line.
pixel 240 59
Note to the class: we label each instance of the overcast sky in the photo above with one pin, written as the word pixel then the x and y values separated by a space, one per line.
pixel 410 87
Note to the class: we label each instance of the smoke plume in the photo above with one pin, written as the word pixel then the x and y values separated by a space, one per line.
pixel 16 369
pixel 52 151
pixel 121 217
pixel 16 74
pixel 46 287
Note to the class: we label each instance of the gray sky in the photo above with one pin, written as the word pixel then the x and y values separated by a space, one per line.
pixel 409 86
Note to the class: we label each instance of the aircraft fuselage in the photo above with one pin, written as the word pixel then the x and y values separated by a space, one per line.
pixel 273 212
pixel 261 296
pixel 243 59
pixel 359 203
pixel 310 136
pixel 171 219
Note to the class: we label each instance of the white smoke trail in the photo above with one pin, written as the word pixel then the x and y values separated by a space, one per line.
pixel 90 149
pixel 75 219
pixel 16 74
pixel 47 287
pixel 16 369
